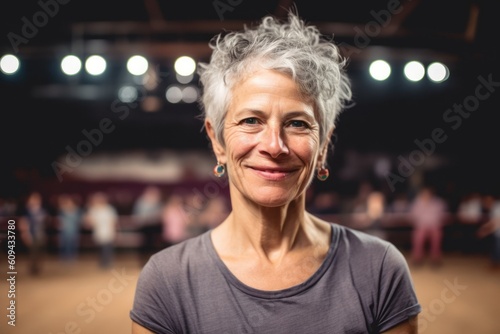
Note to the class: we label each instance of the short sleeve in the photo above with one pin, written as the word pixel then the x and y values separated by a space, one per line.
pixel 397 301
pixel 149 308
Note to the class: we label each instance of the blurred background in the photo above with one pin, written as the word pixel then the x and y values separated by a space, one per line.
pixel 100 114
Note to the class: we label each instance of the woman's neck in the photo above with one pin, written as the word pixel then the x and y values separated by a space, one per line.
pixel 268 232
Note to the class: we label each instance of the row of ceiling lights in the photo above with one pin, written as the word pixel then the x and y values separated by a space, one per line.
pixel 414 71
pixel 96 65
pixel 185 66
pixel 137 65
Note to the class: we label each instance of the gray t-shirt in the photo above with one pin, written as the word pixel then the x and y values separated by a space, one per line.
pixel 362 286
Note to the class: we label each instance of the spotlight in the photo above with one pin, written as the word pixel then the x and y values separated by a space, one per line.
pixel 189 94
pixel 380 70
pixel 137 65
pixel 95 65
pixel 71 65
pixel 437 72
pixel 185 66
pixel 174 94
pixel 184 79
pixel 414 71
pixel 128 94
pixel 9 64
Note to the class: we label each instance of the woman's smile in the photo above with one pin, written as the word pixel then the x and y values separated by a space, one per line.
pixel 273 174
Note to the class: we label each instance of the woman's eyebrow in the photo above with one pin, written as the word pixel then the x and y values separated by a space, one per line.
pixel 262 114
pixel 293 114
pixel 252 111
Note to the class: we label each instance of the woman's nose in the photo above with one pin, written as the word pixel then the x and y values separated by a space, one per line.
pixel 272 141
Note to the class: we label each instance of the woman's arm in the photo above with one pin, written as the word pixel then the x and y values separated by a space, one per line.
pixel 138 329
pixel 406 327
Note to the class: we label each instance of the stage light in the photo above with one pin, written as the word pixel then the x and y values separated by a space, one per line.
pixel 380 70
pixel 414 71
pixel 174 94
pixel 185 66
pixel 71 65
pixel 9 64
pixel 184 79
pixel 137 65
pixel 437 72
pixel 189 94
pixel 95 65
pixel 128 94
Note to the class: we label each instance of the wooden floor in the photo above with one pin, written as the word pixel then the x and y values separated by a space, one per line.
pixel 462 296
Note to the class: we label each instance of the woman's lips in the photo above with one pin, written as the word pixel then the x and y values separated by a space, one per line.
pixel 273 173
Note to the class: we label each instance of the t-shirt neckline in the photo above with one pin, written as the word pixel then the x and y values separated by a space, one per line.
pixel 273 294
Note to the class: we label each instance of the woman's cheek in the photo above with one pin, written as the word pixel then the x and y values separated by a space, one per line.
pixel 239 140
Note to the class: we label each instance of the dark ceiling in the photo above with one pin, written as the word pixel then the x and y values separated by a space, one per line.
pixel 37 125
pixel 159 27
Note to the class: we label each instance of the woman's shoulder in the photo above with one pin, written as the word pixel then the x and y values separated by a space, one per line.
pixel 183 252
pixel 359 241
pixel 368 252
pixel 177 265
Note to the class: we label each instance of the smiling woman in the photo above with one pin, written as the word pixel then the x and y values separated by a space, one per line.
pixel 271 97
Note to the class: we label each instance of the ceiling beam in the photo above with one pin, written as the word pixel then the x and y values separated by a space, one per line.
pixel 397 20
pixel 154 11
pixel 470 30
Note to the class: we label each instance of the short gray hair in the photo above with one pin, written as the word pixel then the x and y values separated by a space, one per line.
pixel 291 47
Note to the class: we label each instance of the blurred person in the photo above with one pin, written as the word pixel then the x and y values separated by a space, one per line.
pixel 34 220
pixel 214 212
pixel 147 213
pixel 492 228
pixel 102 218
pixel 197 201
pixel 175 220
pixel 325 203
pixel 428 213
pixel 469 217
pixel 399 204
pixel 8 207
pixel 271 97
pixel 368 216
pixel 70 217
pixel 397 210
pixel 365 188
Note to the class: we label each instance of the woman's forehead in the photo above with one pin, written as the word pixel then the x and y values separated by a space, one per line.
pixel 264 86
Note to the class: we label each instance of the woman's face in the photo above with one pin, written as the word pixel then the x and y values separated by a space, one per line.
pixel 271 139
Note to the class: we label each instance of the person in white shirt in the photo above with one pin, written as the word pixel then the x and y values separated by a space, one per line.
pixel 102 217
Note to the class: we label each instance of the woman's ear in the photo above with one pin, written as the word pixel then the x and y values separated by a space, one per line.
pixel 218 148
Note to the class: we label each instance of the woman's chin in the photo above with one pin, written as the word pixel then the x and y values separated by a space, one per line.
pixel 273 198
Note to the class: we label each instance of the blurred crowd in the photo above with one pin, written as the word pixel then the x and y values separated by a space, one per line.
pixel 69 222
pixel 468 223
pixel 160 218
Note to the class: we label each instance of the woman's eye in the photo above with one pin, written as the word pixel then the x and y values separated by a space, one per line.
pixel 251 120
pixel 298 124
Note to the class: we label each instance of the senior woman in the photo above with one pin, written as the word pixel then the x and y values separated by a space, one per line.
pixel 271 97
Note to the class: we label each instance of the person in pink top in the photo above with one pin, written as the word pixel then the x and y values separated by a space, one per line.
pixel 428 213
pixel 175 220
